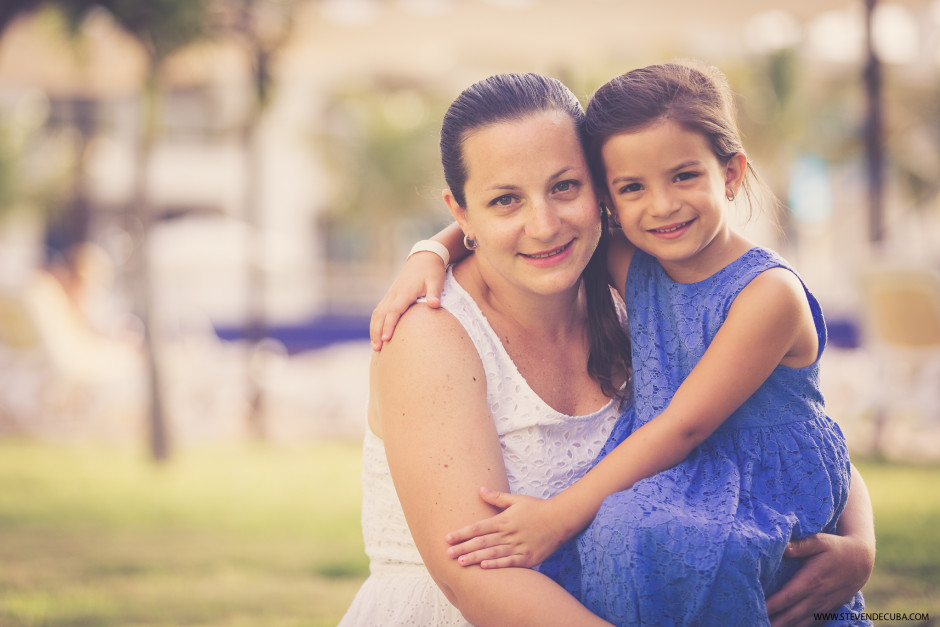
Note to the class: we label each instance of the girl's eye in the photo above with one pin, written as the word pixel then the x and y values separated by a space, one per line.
pixel 685 176
pixel 630 188
pixel 566 186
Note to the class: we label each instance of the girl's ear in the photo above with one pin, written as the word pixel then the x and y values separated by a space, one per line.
pixel 735 171
pixel 459 213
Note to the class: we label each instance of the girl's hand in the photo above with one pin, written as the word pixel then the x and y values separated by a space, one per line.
pixel 834 569
pixel 524 534
pixel 423 275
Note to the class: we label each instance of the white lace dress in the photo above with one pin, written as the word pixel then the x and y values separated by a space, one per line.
pixel 544 450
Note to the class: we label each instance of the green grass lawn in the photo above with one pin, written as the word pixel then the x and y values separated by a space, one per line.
pixel 906 500
pixel 242 536
pixel 256 535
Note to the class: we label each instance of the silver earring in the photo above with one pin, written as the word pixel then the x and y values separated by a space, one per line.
pixel 469 244
pixel 730 194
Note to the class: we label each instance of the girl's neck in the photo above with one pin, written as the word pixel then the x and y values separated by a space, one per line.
pixel 720 252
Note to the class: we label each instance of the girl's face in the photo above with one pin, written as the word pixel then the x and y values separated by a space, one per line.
pixel 668 191
pixel 531 206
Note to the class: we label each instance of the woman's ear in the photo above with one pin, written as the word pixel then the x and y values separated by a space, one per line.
pixel 735 171
pixel 459 213
pixel 607 208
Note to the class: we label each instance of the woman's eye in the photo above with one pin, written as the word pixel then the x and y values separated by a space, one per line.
pixel 503 201
pixel 566 186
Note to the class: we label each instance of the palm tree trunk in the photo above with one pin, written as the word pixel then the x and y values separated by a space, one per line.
pixel 158 439
pixel 874 147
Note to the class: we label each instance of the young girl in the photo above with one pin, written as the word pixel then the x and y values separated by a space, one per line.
pixel 731 453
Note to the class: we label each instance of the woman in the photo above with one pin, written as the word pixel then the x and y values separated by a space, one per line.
pixel 504 386
pixel 494 387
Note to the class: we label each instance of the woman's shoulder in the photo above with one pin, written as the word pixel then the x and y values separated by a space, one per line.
pixel 428 353
pixel 422 324
pixel 429 341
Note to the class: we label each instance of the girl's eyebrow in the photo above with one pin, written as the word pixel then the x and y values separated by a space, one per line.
pixel 623 179
pixel 685 164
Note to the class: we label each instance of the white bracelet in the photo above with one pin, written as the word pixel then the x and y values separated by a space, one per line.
pixel 431 246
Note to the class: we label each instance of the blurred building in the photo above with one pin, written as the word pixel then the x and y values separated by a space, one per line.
pixel 197 176
pixel 337 212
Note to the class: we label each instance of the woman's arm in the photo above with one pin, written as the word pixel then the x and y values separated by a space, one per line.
pixel 423 275
pixel 834 567
pixel 428 393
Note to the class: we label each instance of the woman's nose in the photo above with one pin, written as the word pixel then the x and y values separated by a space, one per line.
pixel 543 222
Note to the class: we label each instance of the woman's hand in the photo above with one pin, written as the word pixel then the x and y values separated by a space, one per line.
pixel 423 275
pixel 834 569
pixel 523 534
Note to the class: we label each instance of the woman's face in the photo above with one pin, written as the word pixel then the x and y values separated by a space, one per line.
pixel 530 202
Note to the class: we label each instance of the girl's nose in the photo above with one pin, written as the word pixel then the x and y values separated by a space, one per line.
pixel 663 203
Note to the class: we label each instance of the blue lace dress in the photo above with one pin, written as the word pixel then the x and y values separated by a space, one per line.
pixel 702 543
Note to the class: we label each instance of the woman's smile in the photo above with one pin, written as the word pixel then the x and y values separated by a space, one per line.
pixel 549 257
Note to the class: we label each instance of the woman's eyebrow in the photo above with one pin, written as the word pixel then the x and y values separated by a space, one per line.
pixel 511 187
pixel 560 172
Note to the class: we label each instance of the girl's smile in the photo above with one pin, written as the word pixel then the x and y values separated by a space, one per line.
pixel 672 231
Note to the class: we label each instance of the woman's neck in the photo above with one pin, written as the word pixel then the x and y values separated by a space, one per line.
pixel 545 335
pixel 545 316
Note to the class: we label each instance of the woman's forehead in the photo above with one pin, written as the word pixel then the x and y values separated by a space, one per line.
pixel 546 132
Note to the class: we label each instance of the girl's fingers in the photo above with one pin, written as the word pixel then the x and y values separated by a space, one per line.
pixel 434 288
pixel 498 499
pixel 476 530
pixel 510 561
pixel 470 546
pixel 495 554
pixel 376 326
pixel 385 318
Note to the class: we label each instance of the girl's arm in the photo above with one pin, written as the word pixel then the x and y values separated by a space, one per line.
pixel 428 403
pixel 422 275
pixel 834 567
pixel 766 325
